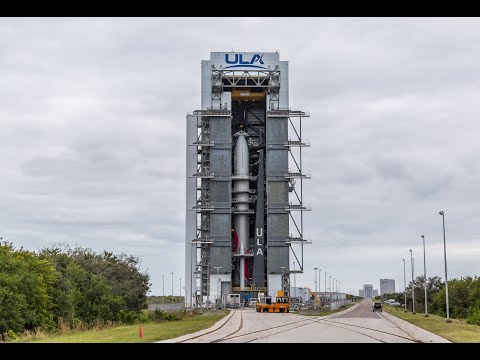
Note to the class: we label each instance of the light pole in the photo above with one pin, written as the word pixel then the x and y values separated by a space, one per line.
pixel 191 283
pixel 294 283
pixel 425 275
pixel 445 256
pixel 330 288
pixel 405 284
pixel 333 292
pixel 325 284
pixel 315 269
pixel 172 287
pixel 218 279
pixel 319 280
pixel 413 286
pixel 208 286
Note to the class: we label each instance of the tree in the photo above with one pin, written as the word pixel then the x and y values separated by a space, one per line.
pixel 26 286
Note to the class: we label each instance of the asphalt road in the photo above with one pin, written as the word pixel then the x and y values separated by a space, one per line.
pixel 360 325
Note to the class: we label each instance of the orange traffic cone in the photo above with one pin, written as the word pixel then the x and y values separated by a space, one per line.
pixel 140 330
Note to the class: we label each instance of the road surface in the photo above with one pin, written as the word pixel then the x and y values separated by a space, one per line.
pixel 359 325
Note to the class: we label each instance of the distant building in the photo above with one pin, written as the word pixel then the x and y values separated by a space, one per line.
pixel 368 291
pixel 387 286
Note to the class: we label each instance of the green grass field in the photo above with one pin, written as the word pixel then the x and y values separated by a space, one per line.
pixel 130 334
pixel 457 331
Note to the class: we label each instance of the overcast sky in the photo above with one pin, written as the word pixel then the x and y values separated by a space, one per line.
pixel 92 137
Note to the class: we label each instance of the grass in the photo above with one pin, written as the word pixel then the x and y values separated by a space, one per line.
pixel 457 331
pixel 130 334
pixel 327 312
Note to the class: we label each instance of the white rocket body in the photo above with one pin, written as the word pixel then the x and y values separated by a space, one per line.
pixel 241 173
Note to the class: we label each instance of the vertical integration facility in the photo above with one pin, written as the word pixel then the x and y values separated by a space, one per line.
pixel 244 187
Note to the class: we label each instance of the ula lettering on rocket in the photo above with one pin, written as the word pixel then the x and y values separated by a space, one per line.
pixel 259 236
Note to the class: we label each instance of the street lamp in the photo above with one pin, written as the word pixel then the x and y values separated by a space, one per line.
pixel 325 284
pixel 445 256
pixel 330 288
pixel 294 283
pixel 405 284
pixel 218 279
pixel 413 286
pixel 319 280
pixel 315 269
pixel 425 275
pixel 333 287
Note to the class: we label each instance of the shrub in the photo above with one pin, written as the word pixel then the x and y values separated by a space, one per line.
pixel 474 314
pixel 128 317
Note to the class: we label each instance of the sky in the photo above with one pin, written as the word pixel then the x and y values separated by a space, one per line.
pixel 92 137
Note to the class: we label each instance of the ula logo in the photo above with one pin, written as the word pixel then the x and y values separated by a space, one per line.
pixel 238 61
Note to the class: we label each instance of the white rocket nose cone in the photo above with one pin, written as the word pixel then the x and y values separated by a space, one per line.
pixel 241 156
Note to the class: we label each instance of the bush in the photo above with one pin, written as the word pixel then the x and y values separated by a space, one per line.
pixel 143 318
pixel 158 315
pixel 128 317
pixel 474 314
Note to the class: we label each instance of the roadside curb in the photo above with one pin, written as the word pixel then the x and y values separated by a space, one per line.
pixel 414 331
pixel 344 311
pixel 333 315
pixel 212 328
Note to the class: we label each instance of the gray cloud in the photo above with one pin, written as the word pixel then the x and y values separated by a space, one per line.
pixel 92 115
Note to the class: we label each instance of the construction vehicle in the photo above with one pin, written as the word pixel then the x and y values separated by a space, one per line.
pixel 318 301
pixel 280 303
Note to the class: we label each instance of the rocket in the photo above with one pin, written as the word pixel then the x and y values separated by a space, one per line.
pixel 241 190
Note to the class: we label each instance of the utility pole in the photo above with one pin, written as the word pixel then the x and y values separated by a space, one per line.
pixel 172 287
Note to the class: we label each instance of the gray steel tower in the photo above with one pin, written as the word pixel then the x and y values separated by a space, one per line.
pixel 244 206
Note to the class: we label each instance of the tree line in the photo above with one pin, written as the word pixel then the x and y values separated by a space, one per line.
pixel 67 286
pixel 463 297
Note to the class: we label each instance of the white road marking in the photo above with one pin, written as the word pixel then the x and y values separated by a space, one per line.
pixel 381 317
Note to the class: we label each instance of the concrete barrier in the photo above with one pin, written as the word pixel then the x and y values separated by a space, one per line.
pixel 171 307
pixel 336 304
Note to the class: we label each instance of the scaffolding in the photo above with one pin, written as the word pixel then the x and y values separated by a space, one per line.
pixel 296 206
